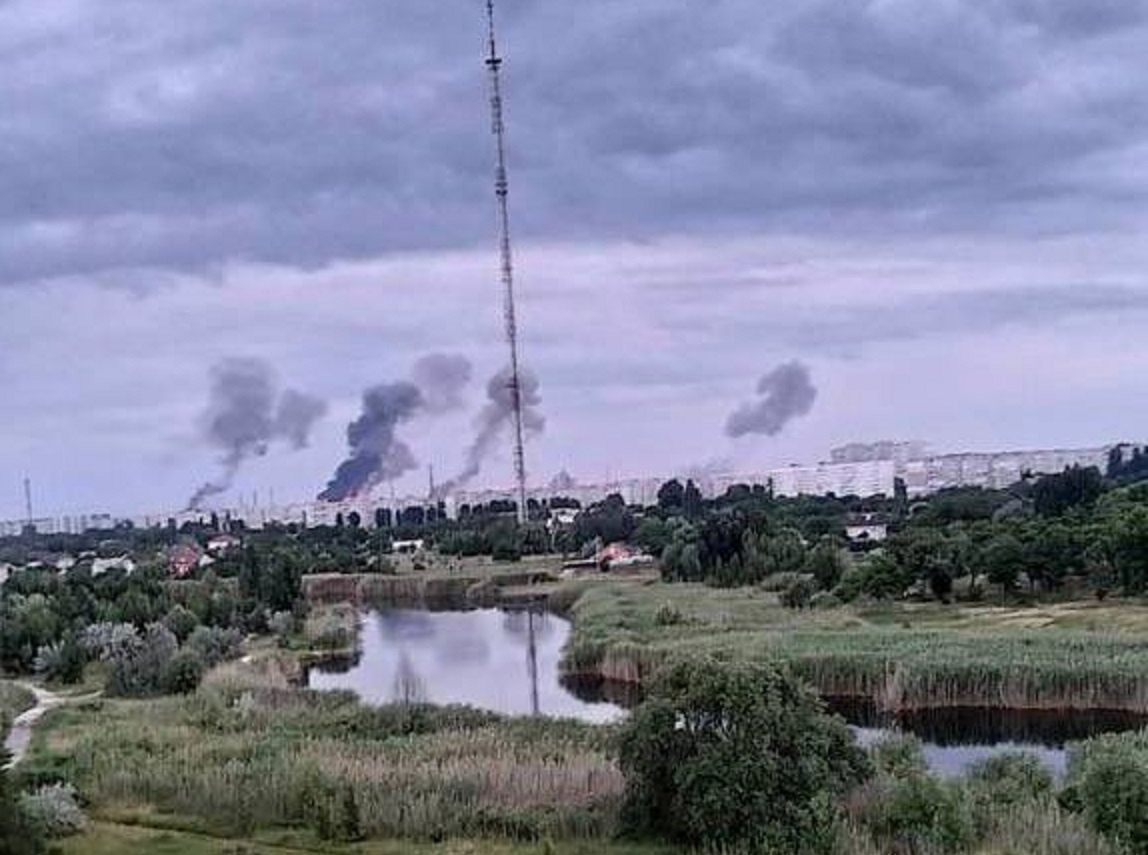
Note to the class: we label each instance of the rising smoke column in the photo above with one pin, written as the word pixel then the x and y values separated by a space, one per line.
pixel 376 452
pixel 496 417
pixel 244 416
pixel 784 393
pixel 296 415
pixel 442 378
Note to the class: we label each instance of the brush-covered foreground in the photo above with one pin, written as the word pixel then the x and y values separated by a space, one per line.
pixel 236 759
pixel 904 656
pixel 242 766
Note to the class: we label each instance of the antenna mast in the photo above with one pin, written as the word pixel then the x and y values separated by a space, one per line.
pixel 501 188
pixel 28 501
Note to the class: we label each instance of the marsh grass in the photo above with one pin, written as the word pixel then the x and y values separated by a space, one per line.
pixel 243 759
pixel 962 659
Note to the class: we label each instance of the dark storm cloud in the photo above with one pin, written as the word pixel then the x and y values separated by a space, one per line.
pixel 302 132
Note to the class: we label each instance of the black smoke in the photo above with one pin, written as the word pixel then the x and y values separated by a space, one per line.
pixel 245 414
pixel 495 419
pixel 785 393
pixel 376 452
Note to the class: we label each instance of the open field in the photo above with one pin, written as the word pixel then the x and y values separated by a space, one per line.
pixel 1068 655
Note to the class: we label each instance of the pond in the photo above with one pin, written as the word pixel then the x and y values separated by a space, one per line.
pixel 508 661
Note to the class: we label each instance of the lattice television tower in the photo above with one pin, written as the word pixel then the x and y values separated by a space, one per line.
pixel 501 188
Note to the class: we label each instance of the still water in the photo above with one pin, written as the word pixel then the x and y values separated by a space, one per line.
pixel 507 661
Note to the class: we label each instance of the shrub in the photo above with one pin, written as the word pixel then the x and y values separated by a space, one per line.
pixel 1011 778
pixel 181 621
pixel 54 811
pixel 281 624
pixel 899 756
pixel 183 672
pixel 824 600
pixel 917 814
pixel 1113 790
pixel 780 581
pixel 104 641
pixel 213 644
pixel 799 594
pixel 61 661
pixel 667 615
pixel 138 668
pixel 735 756
pixel 18 835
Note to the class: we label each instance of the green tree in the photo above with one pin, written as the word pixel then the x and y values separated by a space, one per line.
pixel 671 496
pixel 1003 558
pixel 736 757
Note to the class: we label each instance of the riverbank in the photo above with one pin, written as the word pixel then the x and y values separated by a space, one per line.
pixel 902 657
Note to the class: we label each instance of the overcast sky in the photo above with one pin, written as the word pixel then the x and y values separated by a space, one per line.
pixel 939 207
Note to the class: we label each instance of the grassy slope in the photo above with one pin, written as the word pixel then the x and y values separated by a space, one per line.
pixel 14 700
pixel 1086 655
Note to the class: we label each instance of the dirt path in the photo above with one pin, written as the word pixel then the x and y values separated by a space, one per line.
pixel 20 736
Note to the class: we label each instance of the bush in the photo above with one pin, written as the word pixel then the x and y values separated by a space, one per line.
pixel 181 621
pixel 917 814
pixel 138 667
pixel 61 661
pixel 281 624
pixel 899 756
pixel 799 594
pixel 824 600
pixel 54 811
pixel 1113 789
pixel 213 644
pixel 780 581
pixel 18 834
pixel 1011 778
pixel 736 756
pixel 183 672
pixel 667 615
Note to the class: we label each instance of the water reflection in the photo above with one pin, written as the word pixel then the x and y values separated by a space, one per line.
pixel 502 661
pixel 508 662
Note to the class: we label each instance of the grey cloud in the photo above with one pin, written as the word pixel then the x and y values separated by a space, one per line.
pixel 310 132
pixel 834 327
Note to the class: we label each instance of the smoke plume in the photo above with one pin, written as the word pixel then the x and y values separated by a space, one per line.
pixel 297 414
pixel 442 377
pixel 495 418
pixel 784 394
pixel 244 416
pixel 376 453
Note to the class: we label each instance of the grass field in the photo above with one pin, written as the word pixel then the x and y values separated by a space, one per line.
pixel 1069 655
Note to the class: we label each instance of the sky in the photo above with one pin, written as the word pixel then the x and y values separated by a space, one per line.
pixel 939 208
